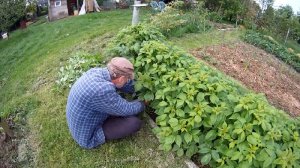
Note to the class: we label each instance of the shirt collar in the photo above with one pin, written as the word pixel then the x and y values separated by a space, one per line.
pixel 106 74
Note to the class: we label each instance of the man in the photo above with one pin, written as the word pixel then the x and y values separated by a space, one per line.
pixel 96 112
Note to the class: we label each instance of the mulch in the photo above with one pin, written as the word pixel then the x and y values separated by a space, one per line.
pixel 257 70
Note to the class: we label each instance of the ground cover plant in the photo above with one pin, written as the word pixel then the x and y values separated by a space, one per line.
pixel 199 111
pixel 76 66
pixel 270 45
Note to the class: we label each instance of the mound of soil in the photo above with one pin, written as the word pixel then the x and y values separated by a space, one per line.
pixel 258 70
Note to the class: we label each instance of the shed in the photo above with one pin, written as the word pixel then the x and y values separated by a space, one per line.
pixel 57 9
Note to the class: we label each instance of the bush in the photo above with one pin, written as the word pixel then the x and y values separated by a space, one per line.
pixel 214 16
pixel 270 45
pixel 175 21
pixel 202 112
pixel 11 11
pixel 76 66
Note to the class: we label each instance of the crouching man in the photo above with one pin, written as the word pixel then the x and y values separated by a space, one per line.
pixel 96 112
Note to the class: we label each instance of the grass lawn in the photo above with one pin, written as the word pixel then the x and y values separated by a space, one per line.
pixel 294 45
pixel 30 60
pixel 212 37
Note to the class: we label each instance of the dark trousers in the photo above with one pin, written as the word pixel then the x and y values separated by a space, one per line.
pixel 120 127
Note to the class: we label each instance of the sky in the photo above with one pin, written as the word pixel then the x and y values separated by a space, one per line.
pixel 295 4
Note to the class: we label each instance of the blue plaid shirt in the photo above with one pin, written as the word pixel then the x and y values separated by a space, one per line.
pixel 92 99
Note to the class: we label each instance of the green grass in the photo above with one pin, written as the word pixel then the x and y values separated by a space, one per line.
pixel 30 60
pixel 212 37
pixel 294 45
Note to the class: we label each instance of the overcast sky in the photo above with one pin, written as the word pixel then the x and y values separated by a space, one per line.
pixel 295 4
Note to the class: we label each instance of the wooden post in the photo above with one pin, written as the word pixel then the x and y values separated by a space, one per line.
pixel 287 35
pixel 5 126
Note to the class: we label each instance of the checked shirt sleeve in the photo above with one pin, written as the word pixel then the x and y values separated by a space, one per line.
pixel 113 104
pixel 128 87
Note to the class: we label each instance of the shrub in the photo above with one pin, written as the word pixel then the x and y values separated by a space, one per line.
pixel 175 21
pixel 129 40
pixel 76 66
pixel 11 11
pixel 270 45
pixel 199 111
pixel 214 16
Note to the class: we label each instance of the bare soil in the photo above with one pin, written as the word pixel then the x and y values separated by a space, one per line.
pixel 257 70
pixel 8 149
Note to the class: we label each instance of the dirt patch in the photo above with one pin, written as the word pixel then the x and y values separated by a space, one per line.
pixel 258 70
pixel 8 148
pixel 15 151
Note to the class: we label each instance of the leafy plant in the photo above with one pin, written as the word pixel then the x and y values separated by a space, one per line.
pixel 176 20
pixel 11 11
pixel 270 45
pixel 75 67
pixel 199 111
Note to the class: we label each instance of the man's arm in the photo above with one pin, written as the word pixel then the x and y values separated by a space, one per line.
pixel 128 87
pixel 113 104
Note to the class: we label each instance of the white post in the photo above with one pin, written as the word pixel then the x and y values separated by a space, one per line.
pixel 287 35
pixel 135 16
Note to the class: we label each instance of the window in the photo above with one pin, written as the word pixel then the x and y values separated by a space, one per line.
pixel 57 3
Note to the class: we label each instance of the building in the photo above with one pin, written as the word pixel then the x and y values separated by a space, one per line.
pixel 57 9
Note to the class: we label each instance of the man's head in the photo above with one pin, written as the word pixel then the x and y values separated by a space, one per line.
pixel 121 71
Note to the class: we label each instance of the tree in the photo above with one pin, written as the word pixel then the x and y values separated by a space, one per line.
pixel 267 18
pixel 265 4
pixel 11 11
pixel 284 20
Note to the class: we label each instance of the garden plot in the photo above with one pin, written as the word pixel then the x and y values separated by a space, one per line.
pixel 258 70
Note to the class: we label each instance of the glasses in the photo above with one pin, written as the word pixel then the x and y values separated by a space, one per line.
pixel 128 80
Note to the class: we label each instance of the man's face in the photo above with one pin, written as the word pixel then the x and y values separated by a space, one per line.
pixel 121 81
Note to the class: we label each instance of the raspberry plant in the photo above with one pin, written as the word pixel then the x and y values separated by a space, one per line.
pixel 200 111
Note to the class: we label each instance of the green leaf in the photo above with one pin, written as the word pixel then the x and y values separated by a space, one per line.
pixel 162 104
pixel 268 162
pixel 238 108
pixel 149 96
pixel 173 122
pixel 206 159
pixel 188 137
pixel 167 147
pixel 182 96
pixel 181 84
pixel 159 57
pixel 180 112
pixel 200 97
pixel 213 119
pixel 232 98
pixel 251 139
pixel 170 139
pixel 161 117
pixel 238 130
pixel 138 86
pixel 178 140
pixel 197 119
pixel 215 155
pixel 204 150
pixel 179 103
pixel 211 135
pixel 180 152
pixel 242 137
pixel 214 99
pixel 236 155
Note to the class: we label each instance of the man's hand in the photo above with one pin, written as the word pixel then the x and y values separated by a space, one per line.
pixel 146 103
